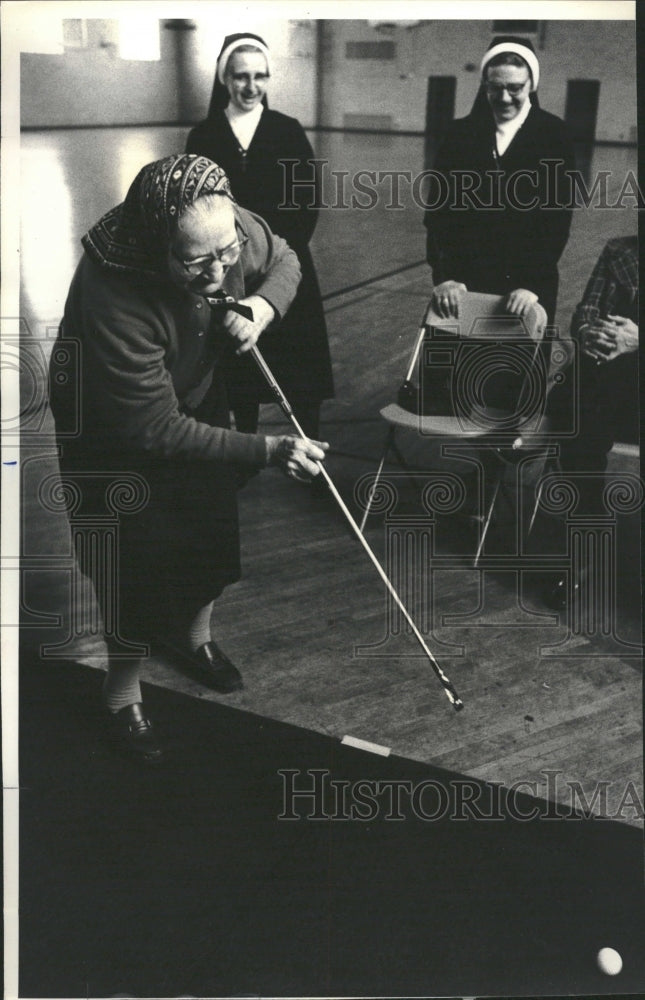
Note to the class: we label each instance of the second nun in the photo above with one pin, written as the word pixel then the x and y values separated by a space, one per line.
pixel 249 141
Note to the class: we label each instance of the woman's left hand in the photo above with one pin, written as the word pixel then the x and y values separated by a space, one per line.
pixel 520 301
pixel 246 331
pixel 297 458
pixel 626 335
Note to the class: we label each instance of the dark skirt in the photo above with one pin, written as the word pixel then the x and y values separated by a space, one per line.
pixel 175 523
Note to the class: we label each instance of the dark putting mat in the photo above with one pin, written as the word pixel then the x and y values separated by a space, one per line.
pixel 184 880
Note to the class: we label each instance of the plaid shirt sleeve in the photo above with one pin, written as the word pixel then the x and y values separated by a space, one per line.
pixel 616 272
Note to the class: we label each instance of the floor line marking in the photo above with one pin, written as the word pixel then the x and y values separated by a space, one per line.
pixel 353 741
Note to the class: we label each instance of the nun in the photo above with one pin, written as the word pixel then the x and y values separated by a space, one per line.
pixel 505 221
pixel 265 155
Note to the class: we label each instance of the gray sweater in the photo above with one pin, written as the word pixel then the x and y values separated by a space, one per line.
pixel 148 350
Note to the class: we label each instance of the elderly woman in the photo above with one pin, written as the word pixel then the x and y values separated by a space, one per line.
pixel 249 141
pixel 154 308
pixel 506 221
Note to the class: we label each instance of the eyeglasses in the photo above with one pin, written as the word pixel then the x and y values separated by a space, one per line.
pixel 227 256
pixel 497 89
pixel 250 77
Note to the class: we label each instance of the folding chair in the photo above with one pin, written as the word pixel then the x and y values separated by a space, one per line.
pixel 483 377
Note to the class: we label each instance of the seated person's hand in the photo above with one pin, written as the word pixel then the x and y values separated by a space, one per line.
pixel 445 298
pixel 626 335
pixel 598 339
pixel 606 339
pixel 246 331
pixel 520 300
pixel 296 458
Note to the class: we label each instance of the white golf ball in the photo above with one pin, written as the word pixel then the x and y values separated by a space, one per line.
pixel 609 961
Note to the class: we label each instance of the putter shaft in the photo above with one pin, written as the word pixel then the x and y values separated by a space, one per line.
pixel 283 402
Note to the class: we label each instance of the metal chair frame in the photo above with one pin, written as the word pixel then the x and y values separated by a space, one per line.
pixel 474 307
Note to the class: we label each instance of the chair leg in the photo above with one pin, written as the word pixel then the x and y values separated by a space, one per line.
pixel 549 463
pixel 388 444
pixel 538 498
pixel 489 516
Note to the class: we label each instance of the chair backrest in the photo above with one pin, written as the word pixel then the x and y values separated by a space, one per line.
pixel 483 317
pixel 484 367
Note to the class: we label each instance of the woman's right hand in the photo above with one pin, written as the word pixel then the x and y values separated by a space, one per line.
pixel 296 457
pixel 598 340
pixel 445 298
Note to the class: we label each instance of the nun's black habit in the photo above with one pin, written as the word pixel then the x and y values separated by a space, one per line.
pixel 511 231
pixel 297 349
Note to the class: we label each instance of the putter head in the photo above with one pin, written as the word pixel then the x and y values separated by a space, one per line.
pixel 223 301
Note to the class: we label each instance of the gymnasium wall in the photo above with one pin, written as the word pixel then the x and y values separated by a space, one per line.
pixel 95 86
pixel 396 88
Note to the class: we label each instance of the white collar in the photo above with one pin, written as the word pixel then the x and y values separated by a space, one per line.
pixel 505 132
pixel 244 123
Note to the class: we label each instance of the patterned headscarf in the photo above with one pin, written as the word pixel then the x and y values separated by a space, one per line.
pixel 133 238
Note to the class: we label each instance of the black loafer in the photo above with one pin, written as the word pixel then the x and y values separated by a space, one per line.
pixel 216 670
pixel 133 733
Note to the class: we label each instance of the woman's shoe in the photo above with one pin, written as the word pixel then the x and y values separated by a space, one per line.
pixel 209 664
pixel 216 669
pixel 132 732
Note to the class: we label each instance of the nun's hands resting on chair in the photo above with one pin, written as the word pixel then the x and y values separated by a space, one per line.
pixel 297 458
pixel 520 300
pixel 445 298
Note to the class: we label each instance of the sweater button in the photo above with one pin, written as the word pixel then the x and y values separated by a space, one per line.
pixel 198 306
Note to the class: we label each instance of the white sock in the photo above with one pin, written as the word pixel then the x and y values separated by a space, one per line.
pixel 200 628
pixel 121 685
